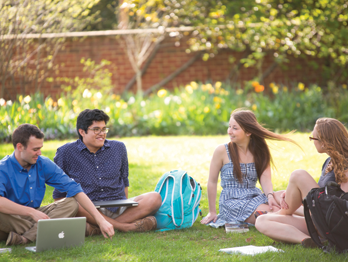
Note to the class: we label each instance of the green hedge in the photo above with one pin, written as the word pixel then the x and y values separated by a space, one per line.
pixel 201 109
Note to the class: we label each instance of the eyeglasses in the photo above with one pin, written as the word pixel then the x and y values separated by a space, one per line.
pixel 98 130
pixel 313 138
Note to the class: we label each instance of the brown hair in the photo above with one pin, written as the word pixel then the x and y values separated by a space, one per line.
pixel 24 132
pixel 334 137
pixel 257 145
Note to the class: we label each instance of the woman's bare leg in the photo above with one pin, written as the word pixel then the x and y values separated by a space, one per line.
pixel 300 183
pixel 263 207
pixel 277 197
pixel 285 228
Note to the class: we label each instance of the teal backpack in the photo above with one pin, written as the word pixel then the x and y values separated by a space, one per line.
pixel 181 195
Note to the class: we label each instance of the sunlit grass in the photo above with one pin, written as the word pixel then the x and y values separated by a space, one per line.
pixel 149 158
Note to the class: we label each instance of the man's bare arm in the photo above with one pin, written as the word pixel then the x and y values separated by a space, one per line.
pixel 9 207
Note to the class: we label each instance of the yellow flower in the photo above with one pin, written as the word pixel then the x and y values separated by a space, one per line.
pixel 54 104
pixel 275 89
pixel 181 109
pixel 38 106
pixel 204 88
pixel 206 110
pixel 158 113
pixel 239 91
pixel 271 85
pixel 344 86
pixel 298 104
pixel 189 89
pixel 20 98
pixel 27 99
pixel 74 102
pixel 118 104
pixel 124 105
pixel 49 101
pixel 218 85
pixel 194 85
pixel 254 107
pixel 224 92
pixel 217 99
pixel 60 102
pixel 217 106
pixel 285 89
pixel 162 93
pixel 301 86
pixel 76 109
pixel 19 109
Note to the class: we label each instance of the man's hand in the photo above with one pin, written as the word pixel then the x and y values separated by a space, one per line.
pixel 106 228
pixel 37 215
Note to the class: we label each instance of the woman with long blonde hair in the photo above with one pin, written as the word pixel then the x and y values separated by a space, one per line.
pixel 330 137
pixel 242 162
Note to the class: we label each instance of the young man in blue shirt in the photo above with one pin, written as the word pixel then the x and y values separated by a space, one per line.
pixel 101 167
pixel 23 176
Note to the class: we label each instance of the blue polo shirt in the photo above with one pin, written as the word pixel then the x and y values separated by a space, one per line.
pixel 28 187
pixel 103 175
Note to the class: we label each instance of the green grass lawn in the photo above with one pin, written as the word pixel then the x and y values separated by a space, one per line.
pixel 149 158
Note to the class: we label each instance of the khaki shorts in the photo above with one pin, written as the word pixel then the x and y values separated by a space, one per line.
pixel 113 215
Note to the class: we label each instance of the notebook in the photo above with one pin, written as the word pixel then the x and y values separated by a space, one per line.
pixel 115 203
pixel 59 232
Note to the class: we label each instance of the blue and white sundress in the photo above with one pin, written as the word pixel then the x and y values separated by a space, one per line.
pixel 238 200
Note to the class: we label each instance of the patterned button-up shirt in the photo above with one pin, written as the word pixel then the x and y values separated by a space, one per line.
pixel 103 175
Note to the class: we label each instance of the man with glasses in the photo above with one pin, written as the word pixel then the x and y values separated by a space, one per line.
pixel 23 176
pixel 101 167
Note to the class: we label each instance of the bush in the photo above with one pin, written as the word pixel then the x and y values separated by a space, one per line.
pixel 200 109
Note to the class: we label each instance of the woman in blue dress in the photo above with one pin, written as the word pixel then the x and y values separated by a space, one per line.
pixel 243 161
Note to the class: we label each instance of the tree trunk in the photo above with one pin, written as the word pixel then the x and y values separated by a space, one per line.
pixel 139 84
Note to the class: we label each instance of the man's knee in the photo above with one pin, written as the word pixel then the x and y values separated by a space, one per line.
pixel 156 199
pixel 69 205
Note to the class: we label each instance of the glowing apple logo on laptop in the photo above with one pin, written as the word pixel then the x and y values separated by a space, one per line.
pixel 61 234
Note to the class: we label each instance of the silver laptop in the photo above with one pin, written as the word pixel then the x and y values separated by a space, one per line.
pixel 59 232
pixel 115 203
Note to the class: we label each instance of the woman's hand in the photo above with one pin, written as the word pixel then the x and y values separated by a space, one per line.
pixel 283 204
pixel 272 203
pixel 210 217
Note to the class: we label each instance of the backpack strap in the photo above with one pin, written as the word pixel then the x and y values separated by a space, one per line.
pixel 310 226
pixel 177 202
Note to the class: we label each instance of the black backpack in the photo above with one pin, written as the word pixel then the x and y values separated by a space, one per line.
pixel 328 215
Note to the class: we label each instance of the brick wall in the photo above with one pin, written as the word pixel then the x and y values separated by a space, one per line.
pixel 168 59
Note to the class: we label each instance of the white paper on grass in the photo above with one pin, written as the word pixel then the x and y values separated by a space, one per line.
pixel 250 250
pixel 4 250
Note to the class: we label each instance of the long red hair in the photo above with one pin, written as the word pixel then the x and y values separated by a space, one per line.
pixel 334 137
